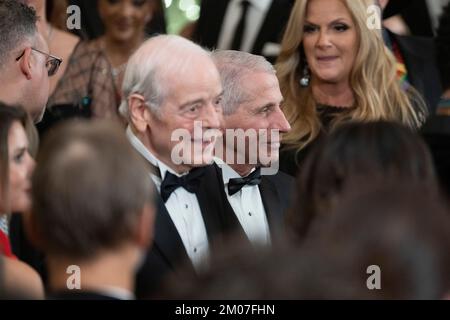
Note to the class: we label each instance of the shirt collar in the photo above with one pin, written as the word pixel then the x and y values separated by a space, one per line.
pixel 227 172
pixel 139 146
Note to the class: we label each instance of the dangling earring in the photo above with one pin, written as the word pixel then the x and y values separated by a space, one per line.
pixel 304 81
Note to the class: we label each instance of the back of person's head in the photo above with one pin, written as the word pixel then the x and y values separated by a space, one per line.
pixel 400 230
pixel 443 47
pixel 17 25
pixel 286 272
pixel 89 191
pixel 239 271
pixel 358 153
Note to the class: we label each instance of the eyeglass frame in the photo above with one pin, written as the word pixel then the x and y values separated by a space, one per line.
pixel 52 71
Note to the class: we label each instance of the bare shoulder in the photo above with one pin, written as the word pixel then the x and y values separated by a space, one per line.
pixel 22 280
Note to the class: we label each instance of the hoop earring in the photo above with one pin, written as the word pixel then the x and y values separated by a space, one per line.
pixel 304 81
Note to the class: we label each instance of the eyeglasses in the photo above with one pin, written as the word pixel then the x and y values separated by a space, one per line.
pixel 52 64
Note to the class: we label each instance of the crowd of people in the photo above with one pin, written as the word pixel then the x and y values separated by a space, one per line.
pixel 287 150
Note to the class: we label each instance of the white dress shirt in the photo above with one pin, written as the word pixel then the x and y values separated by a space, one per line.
pixel 248 206
pixel 183 208
pixel 256 15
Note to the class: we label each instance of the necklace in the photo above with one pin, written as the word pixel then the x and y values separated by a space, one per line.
pixel 117 71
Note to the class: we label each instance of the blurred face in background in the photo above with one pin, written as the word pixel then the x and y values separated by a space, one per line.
pixel 21 166
pixel 125 19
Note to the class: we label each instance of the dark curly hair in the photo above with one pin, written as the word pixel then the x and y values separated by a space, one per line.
pixel 443 47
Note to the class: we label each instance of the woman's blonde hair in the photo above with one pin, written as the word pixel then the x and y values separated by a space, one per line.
pixel 373 79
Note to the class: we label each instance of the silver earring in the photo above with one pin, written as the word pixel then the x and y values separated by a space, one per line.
pixel 304 81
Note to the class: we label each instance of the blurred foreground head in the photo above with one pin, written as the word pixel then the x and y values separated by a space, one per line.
pixel 91 193
pixel 362 155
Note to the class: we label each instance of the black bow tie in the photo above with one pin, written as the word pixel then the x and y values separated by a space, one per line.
pixel 189 182
pixel 253 179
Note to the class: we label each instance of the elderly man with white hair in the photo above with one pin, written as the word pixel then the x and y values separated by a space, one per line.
pixel 172 100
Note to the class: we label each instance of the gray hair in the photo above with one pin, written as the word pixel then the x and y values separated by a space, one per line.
pixel 108 189
pixel 233 66
pixel 150 67
pixel 17 25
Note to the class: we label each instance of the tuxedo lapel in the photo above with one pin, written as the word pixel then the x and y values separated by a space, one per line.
pixel 272 204
pixel 167 240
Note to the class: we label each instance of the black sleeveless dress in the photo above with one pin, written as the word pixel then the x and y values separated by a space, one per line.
pixel 291 160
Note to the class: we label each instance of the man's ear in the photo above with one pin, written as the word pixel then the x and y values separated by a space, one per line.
pixel 145 226
pixel 25 64
pixel 139 113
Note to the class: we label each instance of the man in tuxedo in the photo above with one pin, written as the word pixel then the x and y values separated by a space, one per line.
pixel 436 131
pixel 255 26
pixel 416 54
pixel 171 95
pixel 92 211
pixel 253 122
pixel 25 62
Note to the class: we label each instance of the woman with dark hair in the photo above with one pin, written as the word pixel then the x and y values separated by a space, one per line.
pixel 94 74
pixel 359 154
pixel 16 166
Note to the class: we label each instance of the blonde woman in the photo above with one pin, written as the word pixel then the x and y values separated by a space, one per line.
pixel 333 69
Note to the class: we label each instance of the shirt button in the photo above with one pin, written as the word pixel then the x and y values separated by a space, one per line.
pixel 195 250
pixel 186 206
pixel 250 214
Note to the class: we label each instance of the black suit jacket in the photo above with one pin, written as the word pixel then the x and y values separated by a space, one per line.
pixel 420 61
pixel 276 194
pixel 167 253
pixel 436 133
pixel 212 14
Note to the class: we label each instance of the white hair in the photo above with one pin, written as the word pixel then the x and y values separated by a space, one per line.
pixel 151 68
pixel 233 66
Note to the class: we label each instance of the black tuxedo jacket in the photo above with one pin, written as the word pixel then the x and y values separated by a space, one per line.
pixel 167 253
pixel 212 14
pixel 420 61
pixel 276 193
pixel 436 133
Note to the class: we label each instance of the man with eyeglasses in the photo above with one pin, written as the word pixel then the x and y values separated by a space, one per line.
pixel 25 63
